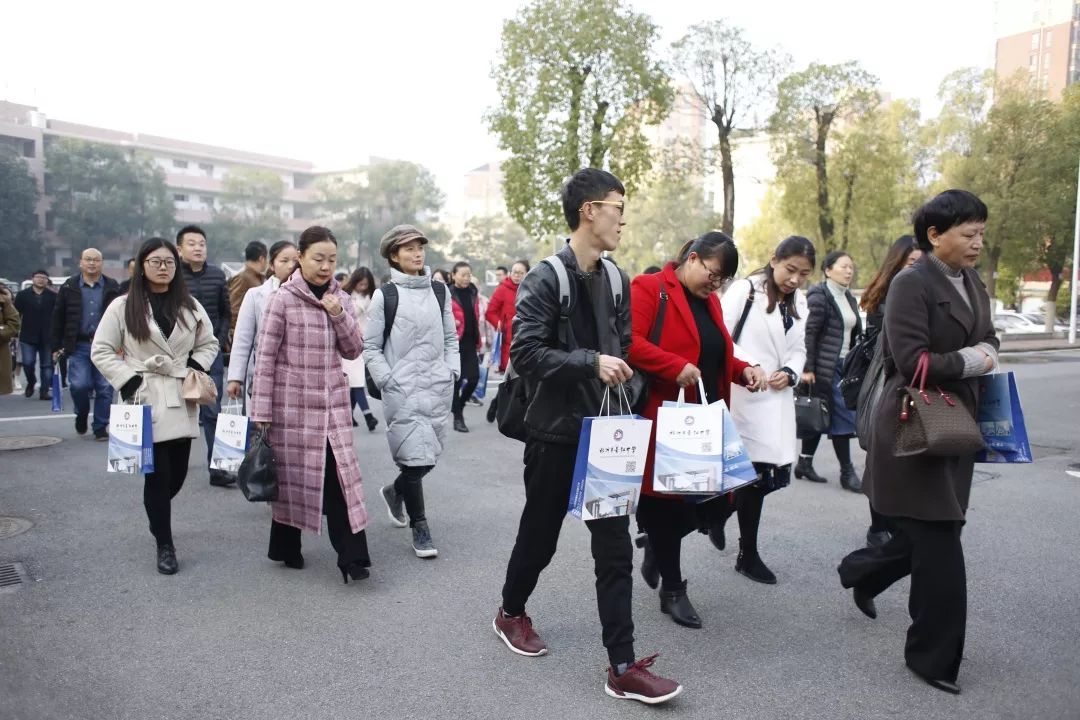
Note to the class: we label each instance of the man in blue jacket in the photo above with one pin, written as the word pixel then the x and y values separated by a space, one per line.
pixel 207 284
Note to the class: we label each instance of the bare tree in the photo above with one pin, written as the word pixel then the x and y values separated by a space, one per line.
pixel 732 81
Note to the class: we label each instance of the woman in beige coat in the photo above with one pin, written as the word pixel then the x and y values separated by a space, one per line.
pixel 9 330
pixel 145 344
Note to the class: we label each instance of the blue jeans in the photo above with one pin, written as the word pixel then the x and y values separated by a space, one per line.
pixel 84 377
pixel 208 413
pixel 33 354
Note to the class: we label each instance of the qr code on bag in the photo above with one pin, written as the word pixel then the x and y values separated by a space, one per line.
pixel 631 466
pixel 706 447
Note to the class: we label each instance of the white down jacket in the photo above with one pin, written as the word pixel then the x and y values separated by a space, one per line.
pixel 415 370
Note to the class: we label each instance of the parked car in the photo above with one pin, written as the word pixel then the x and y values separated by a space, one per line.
pixel 1012 323
pixel 1040 318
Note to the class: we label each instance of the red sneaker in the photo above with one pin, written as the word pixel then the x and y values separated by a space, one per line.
pixel 518 634
pixel 637 683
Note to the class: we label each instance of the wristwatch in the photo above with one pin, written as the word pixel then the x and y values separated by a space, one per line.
pixel 793 379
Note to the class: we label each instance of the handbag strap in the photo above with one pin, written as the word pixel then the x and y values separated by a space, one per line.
pixel 745 313
pixel 658 323
pixel 922 367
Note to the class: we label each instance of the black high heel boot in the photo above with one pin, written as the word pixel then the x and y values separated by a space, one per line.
pixel 296 562
pixel 372 423
pixel 354 570
pixel 676 604
pixel 849 479
pixel 749 564
pixel 805 469
pixel 650 572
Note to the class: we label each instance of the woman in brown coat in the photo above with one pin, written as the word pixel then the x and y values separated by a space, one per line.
pixel 939 306
pixel 9 330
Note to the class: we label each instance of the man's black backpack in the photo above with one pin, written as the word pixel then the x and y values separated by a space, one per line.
pixel 515 392
pixel 390 305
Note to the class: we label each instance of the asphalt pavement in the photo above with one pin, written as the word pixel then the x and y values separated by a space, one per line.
pixel 95 632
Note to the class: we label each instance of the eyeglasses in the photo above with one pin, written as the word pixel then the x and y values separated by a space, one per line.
pixel 158 263
pixel 620 205
pixel 716 277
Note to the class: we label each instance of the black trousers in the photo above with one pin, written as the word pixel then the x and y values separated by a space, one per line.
pixel 549 469
pixel 668 520
pixel 351 547
pixel 410 486
pixel 932 554
pixel 470 376
pixel 162 485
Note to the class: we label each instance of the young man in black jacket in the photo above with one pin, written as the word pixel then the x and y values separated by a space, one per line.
pixel 207 284
pixel 36 304
pixel 80 303
pixel 569 381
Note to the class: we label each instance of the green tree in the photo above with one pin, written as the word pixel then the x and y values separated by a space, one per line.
pixel 250 210
pixel 20 245
pixel 731 80
pixel 576 84
pixel 102 193
pixel 379 197
pixel 488 242
pixel 809 102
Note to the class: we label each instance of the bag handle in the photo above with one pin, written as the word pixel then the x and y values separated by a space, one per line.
pixel 701 394
pixel 922 367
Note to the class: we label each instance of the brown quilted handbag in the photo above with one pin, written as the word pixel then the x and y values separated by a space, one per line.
pixel 933 423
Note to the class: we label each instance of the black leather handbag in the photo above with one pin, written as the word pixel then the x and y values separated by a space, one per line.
pixel 511 405
pixel 257 476
pixel 811 415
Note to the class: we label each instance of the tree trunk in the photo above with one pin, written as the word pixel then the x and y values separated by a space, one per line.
pixel 825 218
pixel 573 122
pixel 991 270
pixel 845 222
pixel 597 146
pixel 727 171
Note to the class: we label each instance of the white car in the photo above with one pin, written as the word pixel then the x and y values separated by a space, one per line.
pixel 1018 324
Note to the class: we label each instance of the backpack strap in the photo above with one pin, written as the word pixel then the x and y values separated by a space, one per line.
pixel 614 278
pixel 440 295
pixel 745 313
pixel 556 264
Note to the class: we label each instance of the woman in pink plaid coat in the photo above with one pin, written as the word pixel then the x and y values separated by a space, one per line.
pixel 301 395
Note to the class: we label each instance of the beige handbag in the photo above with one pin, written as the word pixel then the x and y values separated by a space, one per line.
pixel 199 388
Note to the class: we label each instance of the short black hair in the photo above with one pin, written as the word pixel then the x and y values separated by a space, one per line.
pixel 503 268
pixel 255 250
pixel 39 272
pixel 189 229
pixel 585 185
pixel 945 211
pixel 651 270
pixel 314 234
pixel 128 261
pixel 832 257
pixel 458 265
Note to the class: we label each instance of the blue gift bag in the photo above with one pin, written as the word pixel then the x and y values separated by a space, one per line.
pixel 481 385
pixel 57 394
pixel 1001 421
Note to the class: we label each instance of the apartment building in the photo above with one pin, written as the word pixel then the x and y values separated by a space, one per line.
pixel 1040 39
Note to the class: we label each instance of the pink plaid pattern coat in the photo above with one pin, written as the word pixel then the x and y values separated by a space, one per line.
pixel 301 390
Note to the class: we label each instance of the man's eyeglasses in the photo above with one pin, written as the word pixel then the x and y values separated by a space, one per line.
pixel 158 263
pixel 620 204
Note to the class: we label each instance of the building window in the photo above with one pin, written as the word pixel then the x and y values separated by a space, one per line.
pixel 207 200
pixel 1046 62
pixel 1033 62
pixel 207 168
pixel 1047 39
pixel 50 220
pixel 29 149
pixel 179 164
pixel 1035 40
pixel 180 197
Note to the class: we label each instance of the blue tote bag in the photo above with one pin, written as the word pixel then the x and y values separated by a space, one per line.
pixel 1001 421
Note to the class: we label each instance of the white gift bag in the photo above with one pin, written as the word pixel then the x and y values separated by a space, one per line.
pixel 131 439
pixel 689 456
pixel 230 438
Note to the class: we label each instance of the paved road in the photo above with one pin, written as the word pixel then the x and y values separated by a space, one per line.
pixel 97 633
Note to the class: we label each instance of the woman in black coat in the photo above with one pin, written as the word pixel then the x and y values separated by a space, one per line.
pixel 938 306
pixel 831 331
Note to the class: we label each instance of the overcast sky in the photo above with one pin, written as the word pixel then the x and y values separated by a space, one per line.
pixel 335 82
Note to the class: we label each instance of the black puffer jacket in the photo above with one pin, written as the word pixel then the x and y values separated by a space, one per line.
pixel 37 315
pixel 67 313
pixel 564 382
pixel 211 289
pixel 825 336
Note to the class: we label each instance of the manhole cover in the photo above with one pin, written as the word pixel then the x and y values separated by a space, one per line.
pixel 27 442
pixel 12 526
pixel 11 576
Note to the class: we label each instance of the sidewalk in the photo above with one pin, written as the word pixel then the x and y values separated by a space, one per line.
pixel 1012 344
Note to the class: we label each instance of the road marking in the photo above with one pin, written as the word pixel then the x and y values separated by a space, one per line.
pixel 38 417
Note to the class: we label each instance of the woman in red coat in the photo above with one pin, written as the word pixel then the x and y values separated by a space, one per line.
pixel 500 315
pixel 693 345
pixel 500 311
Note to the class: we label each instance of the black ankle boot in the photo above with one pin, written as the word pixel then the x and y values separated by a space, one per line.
pixel 372 423
pixel 749 564
pixel 676 604
pixel 849 479
pixel 356 571
pixel 296 562
pixel 166 560
pixel 805 469
pixel 649 570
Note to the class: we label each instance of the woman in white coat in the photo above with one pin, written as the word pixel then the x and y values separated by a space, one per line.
pixel 283 257
pixel 768 315
pixel 144 346
pixel 360 287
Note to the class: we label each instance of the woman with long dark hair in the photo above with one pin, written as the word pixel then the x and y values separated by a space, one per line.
pixel 831 330
pixel 773 335
pixel 144 345
pixel 242 358
pixel 361 288
pixel 938 308
pixel 693 345
pixel 300 396
pixel 903 254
